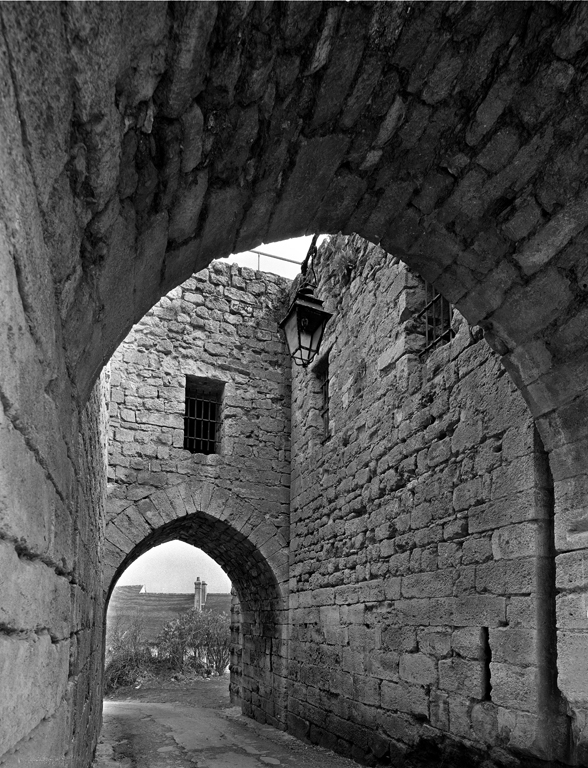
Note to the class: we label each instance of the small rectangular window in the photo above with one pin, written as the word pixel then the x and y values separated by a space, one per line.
pixel 202 415
pixel 321 371
pixel 437 315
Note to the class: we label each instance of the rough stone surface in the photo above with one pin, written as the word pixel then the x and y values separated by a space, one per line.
pixel 234 504
pixel 415 525
pixel 488 149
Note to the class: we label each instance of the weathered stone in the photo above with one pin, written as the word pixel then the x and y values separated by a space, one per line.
pixel 186 76
pixel 499 150
pixel 554 235
pixel 346 56
pixel 192 127
pixel 461 676
pixel 21 657
pixel 187 207
pixel 514 686
pixel 405 698
pixel 80 78
pixel 318 161
pixel 417 669
pixel 514 646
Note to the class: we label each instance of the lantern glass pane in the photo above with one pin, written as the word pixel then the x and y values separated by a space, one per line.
pixel 303 328
pixel 290 327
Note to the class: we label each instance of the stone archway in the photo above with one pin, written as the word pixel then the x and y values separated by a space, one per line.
pixel 139 141
pixel 253 553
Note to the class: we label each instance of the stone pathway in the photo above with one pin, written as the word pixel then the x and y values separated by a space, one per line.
pixel 198 731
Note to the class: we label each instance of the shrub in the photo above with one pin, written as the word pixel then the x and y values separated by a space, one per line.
pixel 127 654
pixel 200 639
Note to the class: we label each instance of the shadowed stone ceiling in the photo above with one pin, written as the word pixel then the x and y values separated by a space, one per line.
pixel 162 135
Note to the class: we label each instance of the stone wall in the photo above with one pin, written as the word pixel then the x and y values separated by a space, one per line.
pixel 422 585
pixel 51 613
pixel 234 504
pixel 452 133
pixel 52 463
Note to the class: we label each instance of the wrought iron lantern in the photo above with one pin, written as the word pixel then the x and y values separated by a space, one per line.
pixel 304 325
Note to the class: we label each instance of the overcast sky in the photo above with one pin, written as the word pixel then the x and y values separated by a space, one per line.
pixel 295 249
pixel 174 567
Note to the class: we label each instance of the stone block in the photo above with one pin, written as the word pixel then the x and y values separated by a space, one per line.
pixel 417 669
pixel 434 641
pixel 467 642
pixel 513 686
pixel 399 638
pixel 317 162
pixel 348 47
pixel 462 676
pixel 521 611
pixel 26 509
pixel 484 720
pixel 572 663
pixel 366 690
pixel 433 584
pixel 401 697
pixel 187 73
pixel 460 721
pixel 519 728
pixel 51 738
pixel 479 610
pixel 514 477
pixel 34 672
pixel 523 222
pixel 439 710
pixel 476 549
pixel 383 664
pixel 50 610
pixel 524 505
pixel 399 726
pixel 572 571
pixel 468 433
pixel 506 577
pixel 514 646
pixel 500 150
pixel 514 541
pixel 468 494
pixel 549 290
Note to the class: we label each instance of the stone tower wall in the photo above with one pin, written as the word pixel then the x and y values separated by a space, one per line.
pixel 234 504
pixel 419 532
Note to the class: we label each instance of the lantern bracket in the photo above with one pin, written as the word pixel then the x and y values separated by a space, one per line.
pixel 305 322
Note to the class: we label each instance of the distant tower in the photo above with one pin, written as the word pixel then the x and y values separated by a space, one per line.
pixel 199 594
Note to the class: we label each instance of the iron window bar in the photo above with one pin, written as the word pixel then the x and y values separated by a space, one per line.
pixel 200 424
pixel 437 314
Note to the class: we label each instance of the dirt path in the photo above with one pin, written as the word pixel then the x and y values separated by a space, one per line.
pixel 192 725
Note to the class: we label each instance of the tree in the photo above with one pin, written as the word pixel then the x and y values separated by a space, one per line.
pixel 201 638
pixel 218 641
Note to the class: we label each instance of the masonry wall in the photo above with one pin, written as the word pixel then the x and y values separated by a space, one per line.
pixel 222 324
pixel 52 462
pixel 421 537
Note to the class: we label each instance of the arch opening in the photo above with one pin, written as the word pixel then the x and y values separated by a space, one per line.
pixel 258 646
pixel 171 583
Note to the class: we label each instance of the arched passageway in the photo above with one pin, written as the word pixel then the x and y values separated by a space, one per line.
pixel 139 141
pixel 253 555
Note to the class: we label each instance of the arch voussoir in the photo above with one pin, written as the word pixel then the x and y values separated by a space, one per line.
pixel 130 527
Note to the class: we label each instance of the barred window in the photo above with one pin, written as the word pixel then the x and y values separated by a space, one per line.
pixel 202 415
pixel 437 315
pixel 321 371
